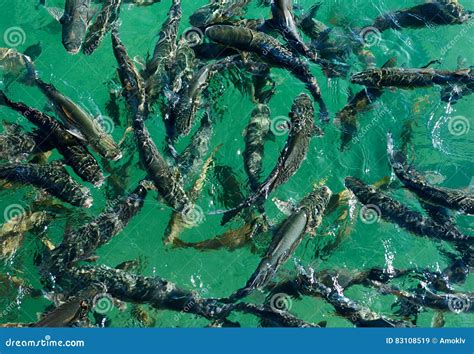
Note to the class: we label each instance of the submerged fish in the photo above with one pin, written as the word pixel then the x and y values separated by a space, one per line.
pixel 165 179
pixel 284 20
pixel 433 13
pixel 53 178
pixel 256 132
pixel 305 219
pixel 75 21
pixel 415 182
pixel 412 78
pixel 347 116
pixel 393 211
pixel 107 17
pixel 192 156
pixel 292 156
pixel 217 12
pixel 17 145
pixel 269 50
pixel 80 123
pixel 72 149
pixel 82 243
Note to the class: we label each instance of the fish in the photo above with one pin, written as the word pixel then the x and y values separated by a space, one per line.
pixel 417 183
pixel 155 291
pixel 17 145
pixel 426 298
pixel 80 123
pixel 347 116
pixel 81 243
pixel 217 12
pixel 302 128
pixel 52 177
pixel 166 46
pixel 192 156
pixel 393 211
pixel 271 51
pixel 182 113
pixel 13 230
pixel 257 130
pixel 72 149
pixel 433 13
pixel 412 78
pixel 313 28
pixel 72 311
pixel 106 18
pixel 16 66
pixel 142 2
pixel 305 219
pixel 272 318
pixel 284 21
pixel 190 217
pixel 75 21
pixel 166 180
pixel 211 51
pixel 34 51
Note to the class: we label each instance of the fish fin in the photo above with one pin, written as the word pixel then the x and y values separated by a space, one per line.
pixel 76 133
pixel 316 131
pixel 270 136
pixel 322 324
pixel 390 63
pixel 286 207
pixel 437 61
pixel 56 12
pixel 350 94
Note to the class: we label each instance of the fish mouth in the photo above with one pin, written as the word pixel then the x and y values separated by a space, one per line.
pixel 117 157
pixel 73 50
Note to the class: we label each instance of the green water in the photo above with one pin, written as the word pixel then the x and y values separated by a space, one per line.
pixel 448 158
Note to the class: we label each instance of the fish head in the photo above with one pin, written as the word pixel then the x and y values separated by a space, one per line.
pixel 72 38
pixel 302 113
pixel 315 204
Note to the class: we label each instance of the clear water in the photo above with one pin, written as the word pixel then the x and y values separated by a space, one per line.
pixel 448 158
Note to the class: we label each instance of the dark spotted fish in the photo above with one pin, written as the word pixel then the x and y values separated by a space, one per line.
pixel 272 318
pixel 292 156
pixel 82 243
pixel 271 51
pixel 106 18
pixel 412 78
pixel 305 219
pixel 284 20
pixel 165 179
pixel 393 211
pixel 256 132
pixel 17 145
pixel 218 12
pixel 193 155
pixel 53 178
pixel 75 21
pixel 417 183
pixel 433 13
pixel 71 148
pixel 80 123
pixel 347 116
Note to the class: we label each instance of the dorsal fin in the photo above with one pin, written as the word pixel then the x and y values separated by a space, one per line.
pixel 391 63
